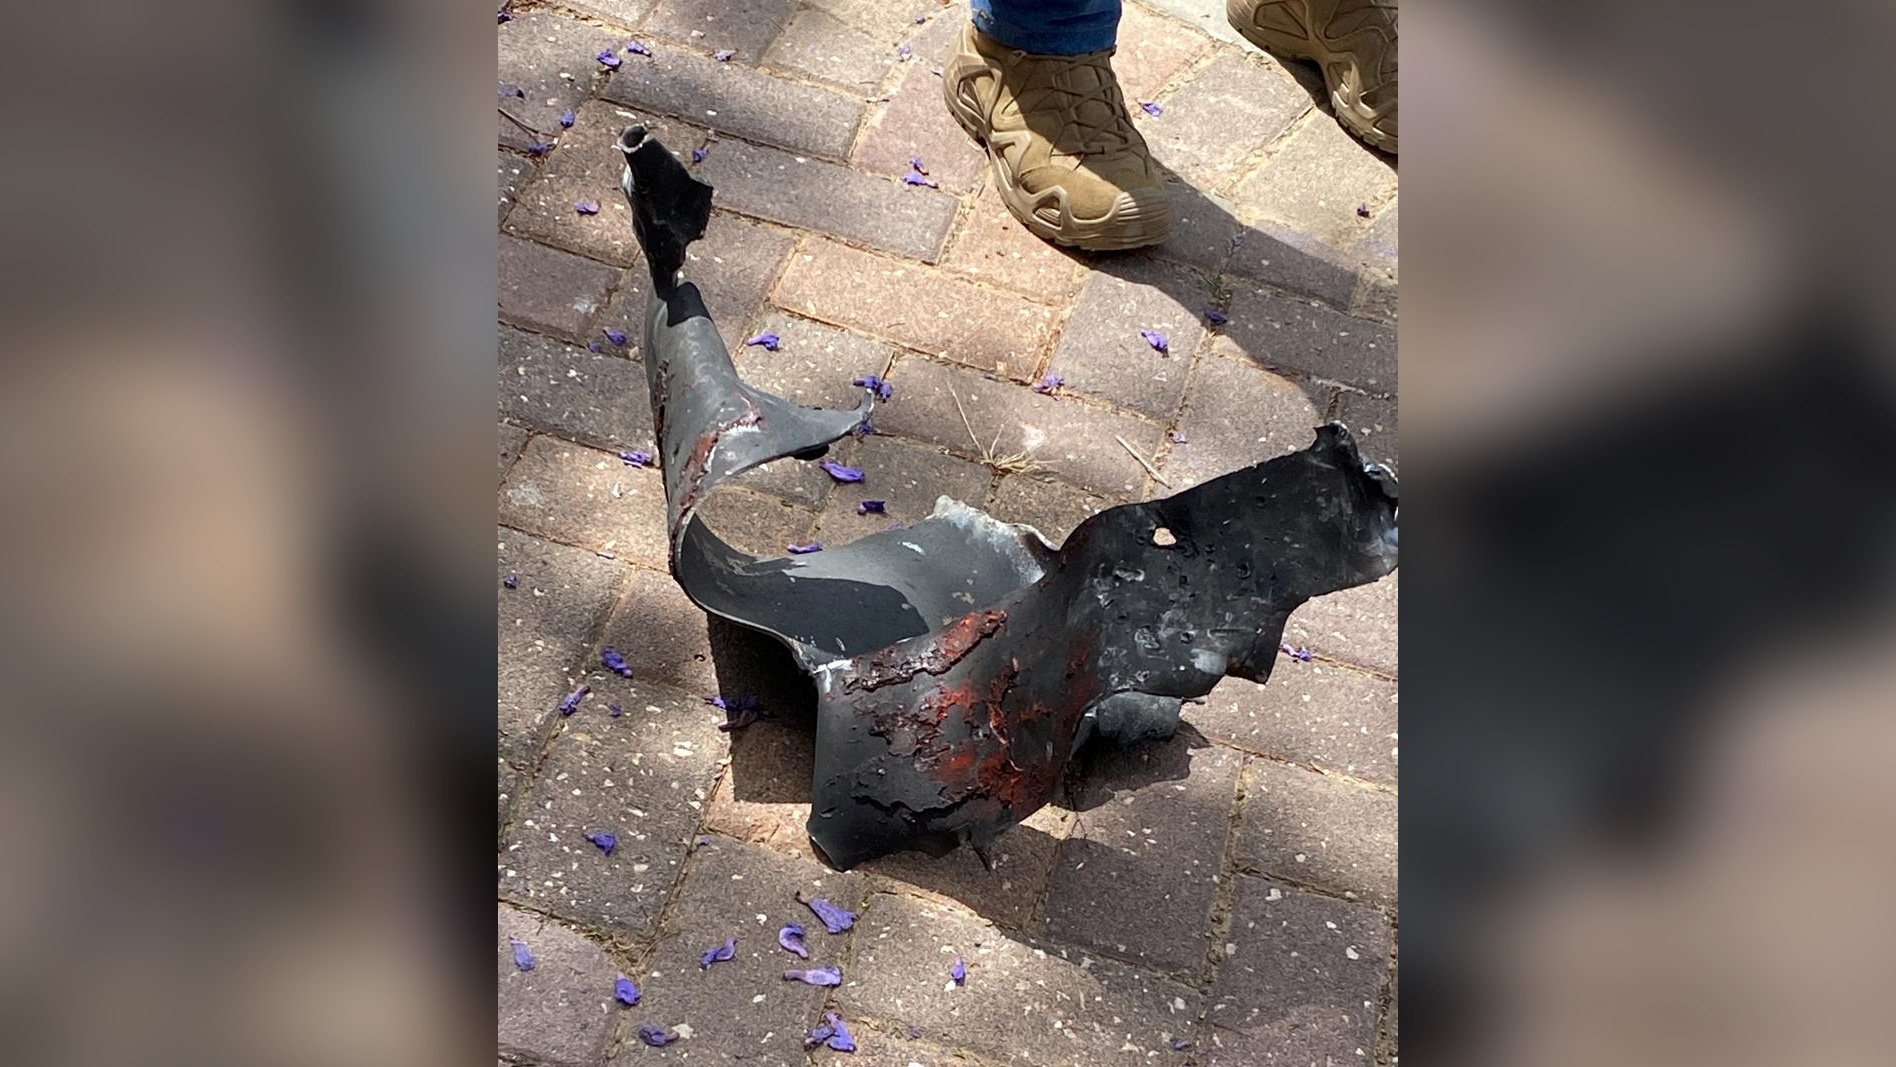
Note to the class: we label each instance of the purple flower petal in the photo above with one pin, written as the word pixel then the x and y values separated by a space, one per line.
pixel 523 956
pixel 841 1040
pixel 1156 340
pixel 904 51
pixel 615 335
pixel 835 919
pixel 586 207
pixel 1216 317
pixel 1362 211
pixel 539 148
pixel 626 993
pixel 605 839
pixel 1179 1044
pixel 769 340
pixel 566 119
pixel 841 473
pixel 510 89
pixel 791 938
pixel 723 55
pixel 595 346
pixel 1301 655
pixel 818 1034
pixel 615 662
pixel 915 164
pixel 637 49
pixel 1049 384
pixel 816 976
pixel 571 703
pixel 638 457
pixel 1175 437
pixel 959 972
pixel 505 18
pixel 919 19
pixel 865 428
pixel 912 178
pixel 614 710
pixel 722 952
pixel 656 1036
pixel 804 550
pixel 1151 108
pixel 512 581
pixel 883 389
pixel 698 154
pixel 738 716
pixel 610 59
pixel 879 507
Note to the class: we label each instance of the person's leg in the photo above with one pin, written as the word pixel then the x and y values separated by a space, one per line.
pixel 1353 41
pixel 1030 79
pixel 1050 27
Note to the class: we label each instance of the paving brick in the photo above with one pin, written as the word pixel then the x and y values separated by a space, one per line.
pixel 1024 859
pixel 623 12
pixel 1064 437
pixel 1235 415
pixel 917 306
pixel 1025 1002
pixel 550 58
pixel 1312 712
pixel 733 266
pixel 769 183
pixel 816 45
pixel 643 777
pixel 1314 180
pixel 1301 984
pixel 887 20
pixel 1047 504
pixel 584 167
pixel 1277 330
pixel 1320 830
pixel 1214 122
pixel 594 398
pixel 755 523
pixel 1206 17
pixel 745 26
pixel 1356 625
pixel 737 99
pixel 1137 876
pixel 1102 352
pixel 1152 48
pixel 908 476
pixel 814 364
pixel 765 796
pixel 546 289
pixel 1296 261
pixel 1202 228
pixel 1372 421
pixel 514 172
pixel 560 1011
pixel 877 1047
pixel 511 440
pixel 916 123
pixel 1378 246
pixel 742 1009
pixel 545 625
pixel 995 248
pixel 581 496
pixel 662 634
pixel 509 783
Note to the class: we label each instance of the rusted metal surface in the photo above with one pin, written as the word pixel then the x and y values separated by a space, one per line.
pixel 959 662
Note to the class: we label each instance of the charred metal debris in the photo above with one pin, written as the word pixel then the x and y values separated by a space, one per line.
pixel 960 661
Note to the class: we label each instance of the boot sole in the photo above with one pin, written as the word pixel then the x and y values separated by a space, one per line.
pixel 1127 226
pixel 1347 105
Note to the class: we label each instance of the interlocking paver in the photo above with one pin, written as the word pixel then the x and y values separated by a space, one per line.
pixel 744 26
pixel 558 1012
pixel 585 497
pixel 993 246
pixel 1372 421
pixel 1024 1002
pixel 1299 981
pixel 917 306
pixel 1203 228
pixel 814 364
pixel 1235 415
pixel 545 624
pixel 1296 333
pixel 735 99
pixel 1290 259
pixel 594 398
pixel 815 44
pixel 511 440
pixel 514 171
pixel 1356 625
pixel 550 58
pixel 1138 875
pixel 755 523
pixel 1320 830
pixel 586 166
pixel 742 1009
pixel 1314 180
pixel 772 184
pixel 915 124
pixel 1024 859
pixel 545 289
pixel 643 777
pixel 624 12
pixel 662 634
pixel 1231 109
pixel 1152 49
pixel 1102 351
pixel 1062 437
pixel 1047 504
pixel 907 477
pixel 1312 712
pixel 733 267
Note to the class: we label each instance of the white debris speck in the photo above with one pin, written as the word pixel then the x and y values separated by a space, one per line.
pixel 1350 952
pixel 684 1030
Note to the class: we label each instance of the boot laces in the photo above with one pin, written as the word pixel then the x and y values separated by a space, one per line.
pixel 1083 91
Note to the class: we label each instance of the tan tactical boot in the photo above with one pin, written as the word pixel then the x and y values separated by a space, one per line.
pixel 1354 41
pixel 1067 161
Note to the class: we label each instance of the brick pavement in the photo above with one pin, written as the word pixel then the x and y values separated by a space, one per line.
pixel 1226 897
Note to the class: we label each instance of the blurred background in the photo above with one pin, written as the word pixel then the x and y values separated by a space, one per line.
pixel 245 409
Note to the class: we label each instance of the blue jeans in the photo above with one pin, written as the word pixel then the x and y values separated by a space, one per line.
pixel 1050 27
